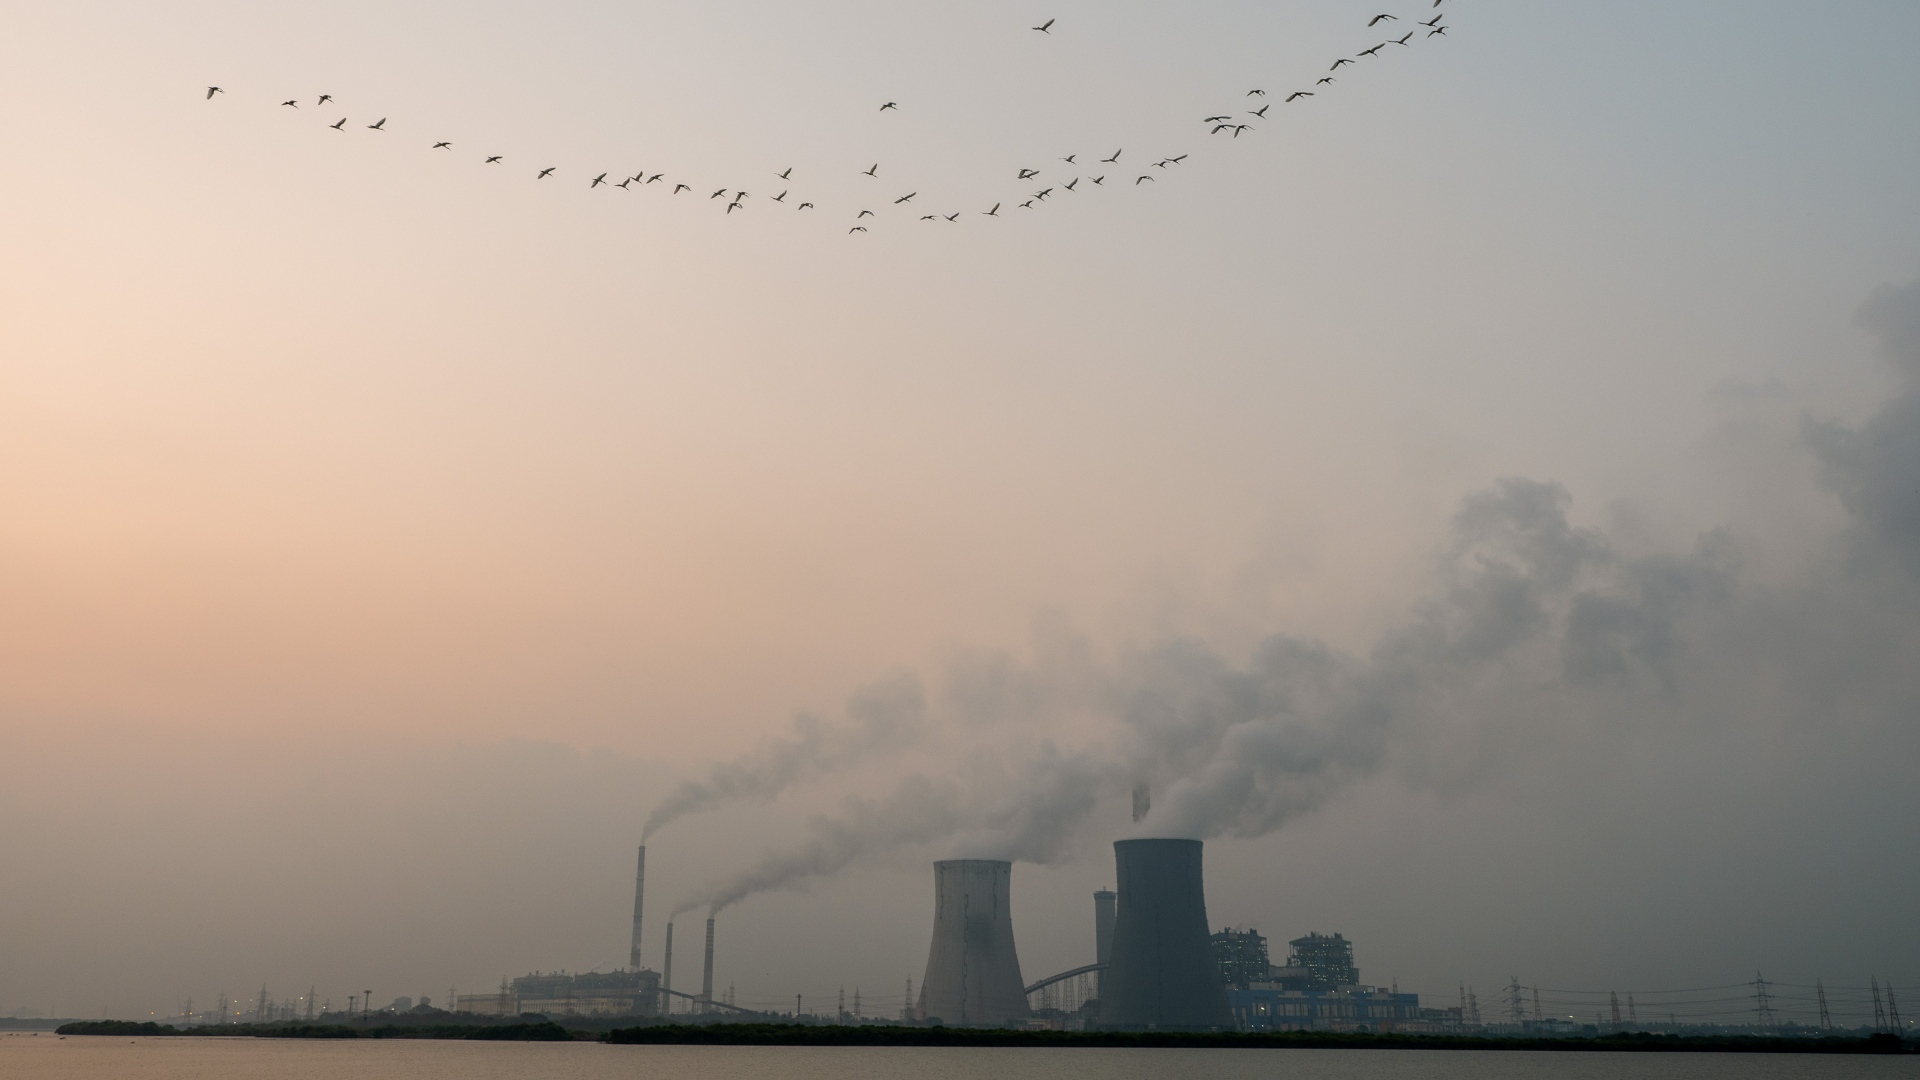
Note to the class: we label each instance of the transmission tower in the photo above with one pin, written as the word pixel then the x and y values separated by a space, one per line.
pixel 1820 993
pixel 1515 1011
pixel 856 1003
pixel 1633 1017
pixel 1879 1012
pixel 1614 995
pixel 310 1004
pixel 260 1009
pixel 1473 1008
pixel 1762 1003
pixel 1536 1005
pixel 1893 1011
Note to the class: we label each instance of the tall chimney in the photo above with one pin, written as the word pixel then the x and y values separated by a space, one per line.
pixel 1103 909
pixel 1162 974
pixel 666 976
pixel 973 973
pixel 639 895
pixel 706 978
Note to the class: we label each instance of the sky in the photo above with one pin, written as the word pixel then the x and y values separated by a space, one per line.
pixel 1482 500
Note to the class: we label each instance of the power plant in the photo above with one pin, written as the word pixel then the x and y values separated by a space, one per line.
pixel 1162 975
pixel 973 973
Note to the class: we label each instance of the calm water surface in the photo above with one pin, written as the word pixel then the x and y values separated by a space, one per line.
pixel 48 1057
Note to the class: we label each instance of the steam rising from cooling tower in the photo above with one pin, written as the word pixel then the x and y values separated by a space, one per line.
pixel 973 974
pixel 1162 975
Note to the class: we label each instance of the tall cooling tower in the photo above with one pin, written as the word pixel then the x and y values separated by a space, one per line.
pixel 1162 975
pixel 973 974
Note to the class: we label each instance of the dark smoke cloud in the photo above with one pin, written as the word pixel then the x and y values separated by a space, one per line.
pixel 1539 632
pixel 884 717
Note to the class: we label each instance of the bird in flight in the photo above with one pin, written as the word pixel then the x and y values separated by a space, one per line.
pixel 597 181
pixel 717 194
pixel 1069 158
pixel 740 195
pixel 544 173
pixel 732 206
pixel 875 171
pixel 1070 186
pixel 929 217
pixel 1381 19
pixel 341 126
pixel 855 229
pixel 782 197
pixel 1046 27
pixel 1110 160
pixel 894 105
pixel 678 188
pixel 381 126
pixel 806 206
pixel 1324 81
pixel 1178 160
pixel 905 198
pixel 1436 30
pixel 1375 51
pixel 1218 128
pixel 655 178
pixel 324 98
pixel 1403 40
pixel 1042 195
pixel 788 174
pixel 1435 21
pixel 1142 180
pixel 494 160
pixel 1261 112
pixel 1028 205
pixel 953 217
pixel 863 213
pixel 995 212
pixel 1098 179
pixel 1337 63
pixel 1299 94
pixel 1256 93
pixel 1027 174
pixel 212 90
pixel 291 102
pixel 622 185
pixel 1238 128
pixel 442 146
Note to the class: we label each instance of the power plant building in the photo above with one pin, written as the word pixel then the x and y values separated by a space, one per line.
pixel 1162 975
pixel 973 972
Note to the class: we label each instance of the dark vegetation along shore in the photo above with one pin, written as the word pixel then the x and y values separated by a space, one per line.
pixel 532 1030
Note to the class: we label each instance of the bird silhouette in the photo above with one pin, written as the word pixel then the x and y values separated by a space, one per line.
pixel 1070 185
pixel 381 126
pixel 622 185
pixel 782 197
pixel 441 146
pixel 1436 30
pixel 655 178
pixel 1099 179
pixel 1215 119
pixel 788 174
pixel 1028 205
pixel 739 195
pixel 1111 160
pixel 1142 180
pixel 953 217
pixel 324 98
pixel 1324 81
pixel 341 126
pixel 291 102
pixel 1261 112
pixel 1381 18
pixel 1069 158
pixel 806 206
pixel 1027 174
pixel 1403 40
pixel 995 212
pixel 1299 94
pixel 1435 21
pixel 1338 63
pixel 1375 51
pixel 894 105
pixel 1042 195
pixel 1256 93
pixel 678 188
pixel 732 206
pixel 855 229
pixel 905 198
pixel 717 194
pixel 929 217
pixel 1178 160
pixel 1046 27
pixel 597 181
pixel 544 173
pixel 875 171
pixel 863 213
pixel 212 90
pixel 1238 128
pixel 494 160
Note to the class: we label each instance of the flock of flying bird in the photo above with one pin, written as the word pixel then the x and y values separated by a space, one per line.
pixel 1223 123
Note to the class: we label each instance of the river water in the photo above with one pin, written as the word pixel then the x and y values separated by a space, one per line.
pixel 49 1057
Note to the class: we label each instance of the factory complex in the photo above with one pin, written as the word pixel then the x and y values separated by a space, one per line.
pixel 1157 966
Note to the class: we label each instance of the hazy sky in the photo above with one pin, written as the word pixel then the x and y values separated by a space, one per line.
pixel 388 533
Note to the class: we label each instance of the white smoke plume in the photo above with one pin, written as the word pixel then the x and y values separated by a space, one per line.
pixel 1538 631
pixel 884 717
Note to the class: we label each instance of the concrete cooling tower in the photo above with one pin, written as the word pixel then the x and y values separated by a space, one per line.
pixel 1162 975
pixel 973 975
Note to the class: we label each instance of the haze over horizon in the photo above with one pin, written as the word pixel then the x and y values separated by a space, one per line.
pixel 1483 503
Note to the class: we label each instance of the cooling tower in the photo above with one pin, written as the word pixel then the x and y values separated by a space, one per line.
pixel 639 894
pixel 973 975
pixel 1162 975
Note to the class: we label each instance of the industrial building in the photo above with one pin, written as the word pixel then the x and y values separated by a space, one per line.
pixel 973 971
pixel 1241 956
pixel 1322 962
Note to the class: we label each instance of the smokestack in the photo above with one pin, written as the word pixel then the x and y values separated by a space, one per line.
pixel 973 974
pixel 1162 972
pixel 666 976
pixel 706 979
pixel 639 895
pixel 1103 906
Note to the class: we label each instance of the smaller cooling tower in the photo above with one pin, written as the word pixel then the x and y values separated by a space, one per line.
pixel 1162 975
pixel 973 974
